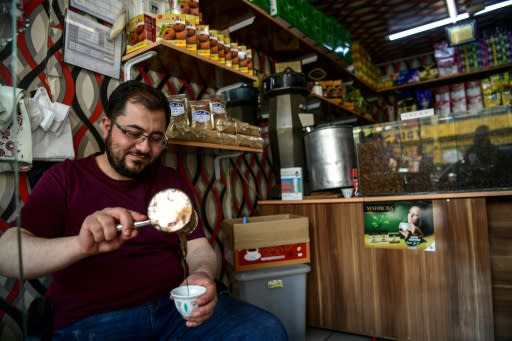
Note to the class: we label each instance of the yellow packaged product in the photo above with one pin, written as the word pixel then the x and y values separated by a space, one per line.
pixel 204 135
pixel 227 50
pixel 220 41
pixel 179 122
pixel 140 32
pixel 191 22
pixel 250 67
pixel 218 107
pixel 249 141
pixel 226 125
pixel 235 59
pixel 243 59
pixel 245 128
pixel 172 27
pixel 201 114
pixel 185 6
pixel 214 45
pixel 203 40
pixel 227 139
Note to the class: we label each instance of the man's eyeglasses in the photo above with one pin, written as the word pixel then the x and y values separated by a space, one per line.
pixel 138 136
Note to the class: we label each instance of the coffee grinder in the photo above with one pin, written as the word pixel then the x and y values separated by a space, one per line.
pixel 286 93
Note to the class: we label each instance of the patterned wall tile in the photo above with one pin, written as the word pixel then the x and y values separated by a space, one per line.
pixel 40 63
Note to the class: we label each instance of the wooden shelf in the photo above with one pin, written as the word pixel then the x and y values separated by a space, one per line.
pixel 188 143
pixel 448 79
pixel 189 65
pixel 275 37
pixel 338 103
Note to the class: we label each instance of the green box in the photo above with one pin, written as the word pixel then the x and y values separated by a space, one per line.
pixel 285 9
pixel 263 4
pixel 330 27
pixel 317 25
pixel 343 45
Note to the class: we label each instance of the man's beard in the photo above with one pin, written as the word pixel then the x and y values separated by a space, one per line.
pixel 118 162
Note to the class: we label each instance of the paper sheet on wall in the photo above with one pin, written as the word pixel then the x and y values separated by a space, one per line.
pixel 86 44
pixel 106 10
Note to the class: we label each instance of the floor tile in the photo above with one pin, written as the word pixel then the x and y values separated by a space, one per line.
pixel 315 334
pixel 347 337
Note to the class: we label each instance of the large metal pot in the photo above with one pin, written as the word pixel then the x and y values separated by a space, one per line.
pixel 330 157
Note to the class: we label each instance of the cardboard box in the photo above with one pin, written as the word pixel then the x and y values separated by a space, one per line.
pixel 172 27
pixel 266 241
pixel 291 184
pixel 140 32
pixel 295 65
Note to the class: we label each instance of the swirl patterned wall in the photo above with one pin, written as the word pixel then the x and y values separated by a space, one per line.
pixel 39 62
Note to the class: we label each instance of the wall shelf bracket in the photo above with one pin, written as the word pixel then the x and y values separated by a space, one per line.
pixel 218 158
pixel 127 68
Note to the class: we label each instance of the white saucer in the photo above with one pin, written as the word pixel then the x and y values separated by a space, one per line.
pixel 252 256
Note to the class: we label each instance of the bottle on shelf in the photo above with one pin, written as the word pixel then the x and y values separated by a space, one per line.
pixel 355 182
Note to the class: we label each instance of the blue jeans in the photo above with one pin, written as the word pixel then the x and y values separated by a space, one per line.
pixel 159 320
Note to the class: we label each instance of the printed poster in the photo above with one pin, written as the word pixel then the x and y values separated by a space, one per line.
pixel 87 44
pixel 399 225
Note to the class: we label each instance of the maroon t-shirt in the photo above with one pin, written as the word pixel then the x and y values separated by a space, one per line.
pixel 141 270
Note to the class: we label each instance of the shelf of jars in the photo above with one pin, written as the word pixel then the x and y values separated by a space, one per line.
pixel 188 65
pixel 275 37
pixel 448 79
pixel 199 144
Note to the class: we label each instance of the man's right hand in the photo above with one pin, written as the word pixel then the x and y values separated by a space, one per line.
pixel 99 234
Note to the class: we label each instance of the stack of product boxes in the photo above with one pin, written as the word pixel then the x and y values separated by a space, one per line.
pixel 207 120
pixel 313 23
pixel 363 66
pixel 472 96
pixel 179 23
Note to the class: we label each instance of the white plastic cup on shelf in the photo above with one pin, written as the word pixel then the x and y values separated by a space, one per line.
pixel 347 192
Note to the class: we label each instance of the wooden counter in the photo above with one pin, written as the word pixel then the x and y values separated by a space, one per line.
pixel 462 291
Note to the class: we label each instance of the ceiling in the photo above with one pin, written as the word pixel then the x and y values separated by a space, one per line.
pixel 370 21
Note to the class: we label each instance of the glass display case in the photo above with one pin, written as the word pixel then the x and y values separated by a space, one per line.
pixel 461 152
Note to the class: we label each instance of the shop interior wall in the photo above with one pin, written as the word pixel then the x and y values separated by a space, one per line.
pixel 39 62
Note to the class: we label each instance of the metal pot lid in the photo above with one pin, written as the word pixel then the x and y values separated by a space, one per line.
pixel 244 93
pixel 288 79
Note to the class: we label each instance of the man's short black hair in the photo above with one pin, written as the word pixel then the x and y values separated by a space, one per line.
pixel 137 92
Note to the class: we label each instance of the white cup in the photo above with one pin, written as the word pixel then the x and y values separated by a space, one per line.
pixel 347 192
pixel 185 299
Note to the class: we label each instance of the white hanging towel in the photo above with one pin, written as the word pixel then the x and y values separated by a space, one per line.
pixel 9 99
pixel 52 138
pixel 15 135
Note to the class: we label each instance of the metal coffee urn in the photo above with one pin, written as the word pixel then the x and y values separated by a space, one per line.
pixel 330 156
pixel 286 92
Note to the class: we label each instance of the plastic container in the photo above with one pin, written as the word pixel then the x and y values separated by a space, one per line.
pixel 280 290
